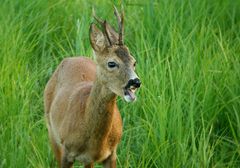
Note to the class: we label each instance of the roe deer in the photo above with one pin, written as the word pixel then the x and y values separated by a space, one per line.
pixel 83 119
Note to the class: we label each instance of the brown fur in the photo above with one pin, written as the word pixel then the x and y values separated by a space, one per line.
pixel 83 120
pixel 89 130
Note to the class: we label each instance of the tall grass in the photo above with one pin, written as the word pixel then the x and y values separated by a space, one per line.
pixel 188 109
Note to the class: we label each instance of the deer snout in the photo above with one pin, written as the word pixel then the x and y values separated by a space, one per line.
pixel 130 88
pixel 134 82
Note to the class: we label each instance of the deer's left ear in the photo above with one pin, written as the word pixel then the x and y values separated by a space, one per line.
pixel 97 38
pixel 113 35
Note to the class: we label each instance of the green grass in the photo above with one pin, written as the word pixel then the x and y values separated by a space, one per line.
pixel 188 54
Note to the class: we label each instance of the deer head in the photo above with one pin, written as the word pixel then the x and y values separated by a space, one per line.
pixel 115 64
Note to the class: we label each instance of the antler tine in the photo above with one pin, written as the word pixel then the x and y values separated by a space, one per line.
pixel 96 18
pixel 103 24
pixel 120 25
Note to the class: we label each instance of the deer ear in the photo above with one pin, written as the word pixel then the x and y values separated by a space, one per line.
pixel 97 38
pixel 113 35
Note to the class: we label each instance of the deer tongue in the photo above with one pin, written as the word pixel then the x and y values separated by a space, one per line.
pixel 131 94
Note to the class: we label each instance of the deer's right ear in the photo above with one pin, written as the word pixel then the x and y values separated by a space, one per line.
pixel 97 38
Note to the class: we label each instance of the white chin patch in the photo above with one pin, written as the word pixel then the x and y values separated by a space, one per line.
pixel 129 94
pixel 128 98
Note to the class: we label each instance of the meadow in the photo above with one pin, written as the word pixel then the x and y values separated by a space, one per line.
pixel 188 57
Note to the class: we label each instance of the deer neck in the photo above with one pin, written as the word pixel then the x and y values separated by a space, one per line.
pixel 100 109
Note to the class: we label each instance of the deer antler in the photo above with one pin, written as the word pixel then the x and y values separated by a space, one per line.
pixel 120 25
pixel 100 21
pixel 103 24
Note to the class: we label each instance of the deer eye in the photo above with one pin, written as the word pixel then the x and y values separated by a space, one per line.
pixel 112 64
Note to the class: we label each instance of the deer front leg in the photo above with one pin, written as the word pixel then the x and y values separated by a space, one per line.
pixel 65 162
pixel 110 162
pixel 89 166
pixel 56 149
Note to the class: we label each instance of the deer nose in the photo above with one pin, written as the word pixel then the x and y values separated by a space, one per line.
pixel 135 82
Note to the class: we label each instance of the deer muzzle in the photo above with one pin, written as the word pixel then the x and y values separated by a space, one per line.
pixel 130 89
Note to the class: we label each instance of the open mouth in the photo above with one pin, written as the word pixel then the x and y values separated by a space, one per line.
pixel 129 94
